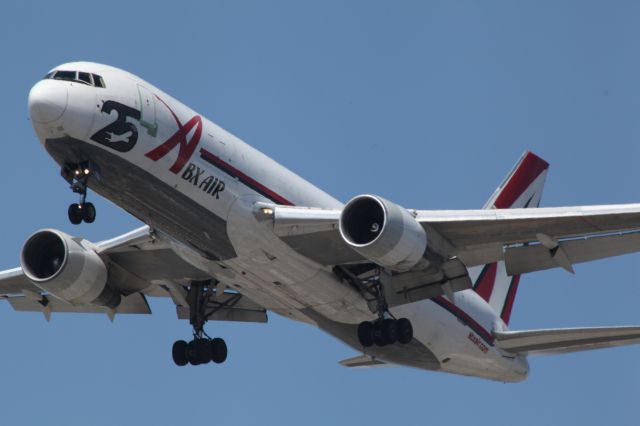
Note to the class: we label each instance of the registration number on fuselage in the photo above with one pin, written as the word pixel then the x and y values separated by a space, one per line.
pixel 478 342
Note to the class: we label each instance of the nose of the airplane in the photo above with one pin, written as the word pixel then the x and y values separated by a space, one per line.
pixel 47 101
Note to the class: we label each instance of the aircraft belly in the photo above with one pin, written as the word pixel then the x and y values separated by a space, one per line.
pixel 458 345
pixel 260 264
pixel 265 269
pixel 280 270
pixel 415 354
pixel 148 198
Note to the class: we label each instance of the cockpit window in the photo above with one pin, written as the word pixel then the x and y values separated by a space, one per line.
pixel 97 80
pixel 78 77
pixel 65 75
pixel 85 77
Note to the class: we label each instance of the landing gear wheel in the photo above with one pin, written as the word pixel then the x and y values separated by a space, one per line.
pixel 378 337
pixel 218 350
pixel 199 351
pixel 88 213
pixel 78 174
pixel 179 352
pixel 192 353
pixel 75 214
pixel 389 331
pixel 365 334
pixel 202 299
pixel 385 332
pixel 405 331
pixel 203 350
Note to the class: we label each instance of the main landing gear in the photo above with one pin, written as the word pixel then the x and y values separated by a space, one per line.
pixel 202 349
pixel 78 176
pixel 386 330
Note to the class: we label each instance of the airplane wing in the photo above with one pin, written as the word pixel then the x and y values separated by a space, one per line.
pixel 565 340
pixel 535 239
pixel 527 240
pixel 142 263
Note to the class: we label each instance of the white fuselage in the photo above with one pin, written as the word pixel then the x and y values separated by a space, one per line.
pixel 181 154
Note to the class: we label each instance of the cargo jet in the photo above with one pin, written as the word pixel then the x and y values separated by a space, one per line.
pixel 231 235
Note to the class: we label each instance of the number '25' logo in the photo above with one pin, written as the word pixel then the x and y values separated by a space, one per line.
pixel 122 135
pixel 119 135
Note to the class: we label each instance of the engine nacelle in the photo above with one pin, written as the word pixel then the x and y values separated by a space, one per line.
pixel 67 268
pixel 383 232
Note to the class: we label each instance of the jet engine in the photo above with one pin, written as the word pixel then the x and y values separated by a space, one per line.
pixel 68 268
pixel 383 232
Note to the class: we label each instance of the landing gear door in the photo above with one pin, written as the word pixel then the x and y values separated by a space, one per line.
pixel 148 117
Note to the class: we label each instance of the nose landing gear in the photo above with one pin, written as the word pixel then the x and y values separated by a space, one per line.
pixel 78 176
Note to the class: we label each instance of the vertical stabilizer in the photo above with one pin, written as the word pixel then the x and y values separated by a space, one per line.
pixel 521 189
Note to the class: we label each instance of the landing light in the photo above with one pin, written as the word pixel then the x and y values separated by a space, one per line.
pixel 86 171
pixel 267 211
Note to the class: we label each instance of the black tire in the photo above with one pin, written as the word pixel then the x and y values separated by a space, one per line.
pixel 378 336
pixel 219 350
pixel 192 353
pixel 365 334
pixel 203 350
pixel 75 214
pixel 88 212
pixel 405 331
pixel 179 352
pixel 389 331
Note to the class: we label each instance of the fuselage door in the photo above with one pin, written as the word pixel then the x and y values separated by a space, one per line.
pixel 148 117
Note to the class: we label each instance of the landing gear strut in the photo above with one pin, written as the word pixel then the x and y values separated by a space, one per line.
pixel 78 176
pixel 386 330
pixel 202 349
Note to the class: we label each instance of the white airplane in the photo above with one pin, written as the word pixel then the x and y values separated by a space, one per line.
pixel 231 234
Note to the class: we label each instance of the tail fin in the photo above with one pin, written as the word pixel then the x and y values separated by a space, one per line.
pixel 521 189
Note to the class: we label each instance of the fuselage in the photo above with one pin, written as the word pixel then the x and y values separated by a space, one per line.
pixel 191 180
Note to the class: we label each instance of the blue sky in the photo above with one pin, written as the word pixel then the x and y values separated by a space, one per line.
pixel 426 103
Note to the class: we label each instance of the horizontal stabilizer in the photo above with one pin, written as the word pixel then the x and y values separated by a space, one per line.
pixel 362 361
pixel 564 340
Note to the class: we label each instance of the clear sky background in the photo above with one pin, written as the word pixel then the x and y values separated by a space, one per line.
pixel 426 103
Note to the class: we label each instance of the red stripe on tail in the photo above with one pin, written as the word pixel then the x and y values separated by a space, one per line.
pixel 530 168
pixel 511 297
pixel 486 280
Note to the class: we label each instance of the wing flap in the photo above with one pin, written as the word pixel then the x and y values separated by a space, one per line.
pixel 133 304
pixel 520 260
pixel 565 340
pixel 410 287
pixel 468 228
